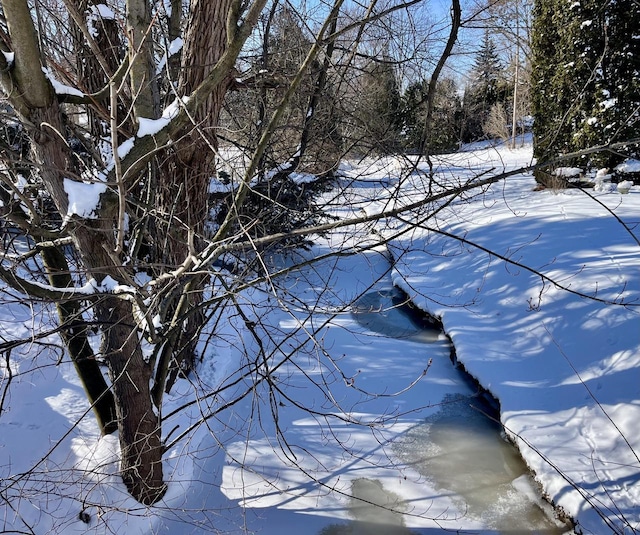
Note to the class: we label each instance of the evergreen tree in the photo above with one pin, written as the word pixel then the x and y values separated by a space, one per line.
pixel 447 112
pixel 489 86
pixel 377 109
pixel 586 89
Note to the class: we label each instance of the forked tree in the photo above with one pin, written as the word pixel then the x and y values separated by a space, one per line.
pixel 120 103
pixel 82 101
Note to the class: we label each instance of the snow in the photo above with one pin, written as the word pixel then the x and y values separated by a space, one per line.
pixel 125 147
pixel 150 127
pixel 91 287
pixel 624 186
pixel 564 366
pixel 103 11
pixel 84 198
pixel 560 351
pixel 568 172
pixel 59 87
pixel 9 57
pixel 97 13
pixel 174 47
pixel 629 166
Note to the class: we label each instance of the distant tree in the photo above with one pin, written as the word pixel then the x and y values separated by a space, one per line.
pixel 376 114
pixel 496 126
pixel 444 135
pixel 414 102
pixel 282 46
pixel 307 138
pixel 614 110
pixel 488 86
pixel 509 22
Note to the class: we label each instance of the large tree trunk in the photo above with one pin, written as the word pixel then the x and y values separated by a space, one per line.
pixel 182 195
pixel 138 418
pixel 180 208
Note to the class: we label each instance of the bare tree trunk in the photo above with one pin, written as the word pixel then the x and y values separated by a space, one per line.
pixel 144 88
pixel 74 334
pixel 97 62
pixel 183 192
pixel 138 418
pixel 181 206
pixel 425 149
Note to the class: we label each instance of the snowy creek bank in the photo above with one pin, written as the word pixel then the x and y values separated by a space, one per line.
pixel 364 417
pixel 460 448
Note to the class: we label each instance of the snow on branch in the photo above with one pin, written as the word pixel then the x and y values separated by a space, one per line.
pixel 150 127
pixel 40 290
pixel 60 88
pixel 84 198
pixel 96 13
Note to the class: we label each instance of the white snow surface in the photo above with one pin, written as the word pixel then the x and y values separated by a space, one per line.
pixel 174 47
pixel 103 11
pixel 629 166
pixel 569 172
pixel 84 197
pixel 549 324
pixel 565 365
pixel 150 127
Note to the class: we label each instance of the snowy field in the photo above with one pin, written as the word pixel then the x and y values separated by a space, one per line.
pixel 549 324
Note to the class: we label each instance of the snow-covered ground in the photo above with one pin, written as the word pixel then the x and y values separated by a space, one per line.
pixel 553 333
pixel 549 324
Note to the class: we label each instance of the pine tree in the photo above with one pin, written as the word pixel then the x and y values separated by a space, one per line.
pixel 613 109
pixel 447 111
pixel 487 88
pixel 377 108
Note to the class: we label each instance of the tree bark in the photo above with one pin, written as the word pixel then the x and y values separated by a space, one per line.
pixel 73 332
pixel 181 207
pixel 182 194
pixel 138 418
pixel 144 88
pixel 27 71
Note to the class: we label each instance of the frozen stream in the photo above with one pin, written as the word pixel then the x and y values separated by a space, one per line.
pixel 460 448
pixel 416 455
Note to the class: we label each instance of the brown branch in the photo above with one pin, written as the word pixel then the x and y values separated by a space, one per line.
pixel 31 82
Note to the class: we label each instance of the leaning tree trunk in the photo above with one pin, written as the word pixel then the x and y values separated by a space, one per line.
pixel 181 202
pixel 138 417
pixel 74 333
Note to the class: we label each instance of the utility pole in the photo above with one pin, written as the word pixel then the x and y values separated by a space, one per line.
pixel 514 119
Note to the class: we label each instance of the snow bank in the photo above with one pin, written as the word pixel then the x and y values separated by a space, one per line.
pixel 561 352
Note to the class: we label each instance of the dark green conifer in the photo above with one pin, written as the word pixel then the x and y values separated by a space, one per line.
pixel 586 63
